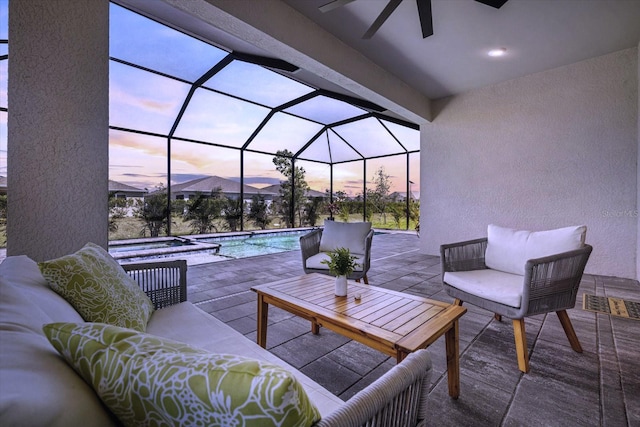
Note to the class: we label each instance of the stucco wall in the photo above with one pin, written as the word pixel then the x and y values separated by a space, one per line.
pixel 547 150
pixel 57 126
pixel 638 188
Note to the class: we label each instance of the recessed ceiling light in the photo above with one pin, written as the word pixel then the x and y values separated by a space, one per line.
pixel 497 52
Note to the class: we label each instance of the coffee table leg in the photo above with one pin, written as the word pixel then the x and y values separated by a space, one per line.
pixel 453 360
pixel 263 317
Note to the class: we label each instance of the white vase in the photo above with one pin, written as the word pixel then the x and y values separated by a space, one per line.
pixel 341 286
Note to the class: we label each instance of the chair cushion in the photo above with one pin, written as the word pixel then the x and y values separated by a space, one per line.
pixel 148 380
pixel 509 250
pixel 350 235
pixel 20 274
pixel 98 288
pixel 493 285
pixel 189 324
pixel 37 387
pixel 315 261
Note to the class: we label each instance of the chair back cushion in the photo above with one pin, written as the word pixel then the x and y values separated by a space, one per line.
pixel 509 250
pixel 350 235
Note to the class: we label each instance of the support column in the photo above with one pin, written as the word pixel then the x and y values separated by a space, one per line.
pixel 58 136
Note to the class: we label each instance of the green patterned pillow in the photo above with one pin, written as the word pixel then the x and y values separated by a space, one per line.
pixel 98 288
pixel 148 380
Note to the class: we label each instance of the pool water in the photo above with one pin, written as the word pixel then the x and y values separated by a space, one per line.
pixel 257 244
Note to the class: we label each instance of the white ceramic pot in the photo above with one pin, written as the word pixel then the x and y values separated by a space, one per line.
pixel 341 286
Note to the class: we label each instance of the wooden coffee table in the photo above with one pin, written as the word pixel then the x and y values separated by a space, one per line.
pixel 394 323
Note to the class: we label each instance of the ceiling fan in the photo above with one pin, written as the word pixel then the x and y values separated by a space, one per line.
pixel 424 13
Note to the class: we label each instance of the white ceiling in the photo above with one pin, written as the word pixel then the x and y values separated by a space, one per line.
pixel 538 35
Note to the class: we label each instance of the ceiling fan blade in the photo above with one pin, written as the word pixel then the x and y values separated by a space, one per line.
pixel 386 12
pixel 333 5
pixel 426 18
pixel 493 3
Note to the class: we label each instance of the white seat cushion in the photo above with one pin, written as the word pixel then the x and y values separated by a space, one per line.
pixel 509 250
pixel 350 235
pixel 315 261
pixel 493 285
pixel 187 323
pixel 37 387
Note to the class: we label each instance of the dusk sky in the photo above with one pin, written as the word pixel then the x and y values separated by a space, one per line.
pixel 148 102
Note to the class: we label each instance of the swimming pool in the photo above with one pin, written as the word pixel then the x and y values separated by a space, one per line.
pixel 137 246
pixel 242 246
pixel 159 247
pixel 207 248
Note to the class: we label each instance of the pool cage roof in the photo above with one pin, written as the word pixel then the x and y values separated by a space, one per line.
pixel 215 88
pixel 168 84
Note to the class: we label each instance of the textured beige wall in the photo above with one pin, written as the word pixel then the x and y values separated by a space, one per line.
pixel 58 122
pixel 551 149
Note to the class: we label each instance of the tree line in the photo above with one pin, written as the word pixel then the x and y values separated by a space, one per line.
pixel 208 212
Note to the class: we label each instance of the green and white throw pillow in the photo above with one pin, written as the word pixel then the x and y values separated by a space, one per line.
pixel 98 288
pixel 146 380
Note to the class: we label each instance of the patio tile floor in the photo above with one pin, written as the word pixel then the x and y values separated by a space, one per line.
pixel 600 387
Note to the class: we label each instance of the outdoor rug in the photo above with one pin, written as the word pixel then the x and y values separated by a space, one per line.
pixel 613 306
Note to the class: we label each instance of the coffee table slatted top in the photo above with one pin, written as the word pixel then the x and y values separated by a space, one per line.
pixel 391 321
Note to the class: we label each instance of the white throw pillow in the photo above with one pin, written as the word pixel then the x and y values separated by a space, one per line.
pixel 350 235
pixel 509 250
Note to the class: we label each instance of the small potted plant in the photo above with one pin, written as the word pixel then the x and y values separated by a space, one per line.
pixel 341 264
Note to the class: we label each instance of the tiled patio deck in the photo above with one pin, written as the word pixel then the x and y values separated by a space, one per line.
pixel 600 387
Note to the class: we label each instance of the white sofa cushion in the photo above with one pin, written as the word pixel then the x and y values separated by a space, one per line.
pixel 37 387
pixel 315 261
pixel 22 273
pixel 187 323
pixel 494 285
pixel 350 235
pixel 509 250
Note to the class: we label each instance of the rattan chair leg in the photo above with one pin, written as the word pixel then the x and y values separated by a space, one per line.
pixel 569 331
pixel 521 345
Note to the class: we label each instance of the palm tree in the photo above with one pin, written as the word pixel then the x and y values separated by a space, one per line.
pixel 259 211
pixel 202 210
pixel 154 212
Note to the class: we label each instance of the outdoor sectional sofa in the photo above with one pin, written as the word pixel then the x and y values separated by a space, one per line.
pixel 39 388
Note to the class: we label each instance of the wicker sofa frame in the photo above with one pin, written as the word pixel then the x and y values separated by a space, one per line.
pixel 397 399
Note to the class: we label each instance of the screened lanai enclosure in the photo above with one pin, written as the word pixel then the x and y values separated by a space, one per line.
pixel 204 138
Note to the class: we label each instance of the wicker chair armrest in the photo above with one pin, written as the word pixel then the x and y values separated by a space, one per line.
pixel 367 250
pixel 398 398
pixel 463 256
pixel 164 282
pixel 554 278
pixel 310 244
